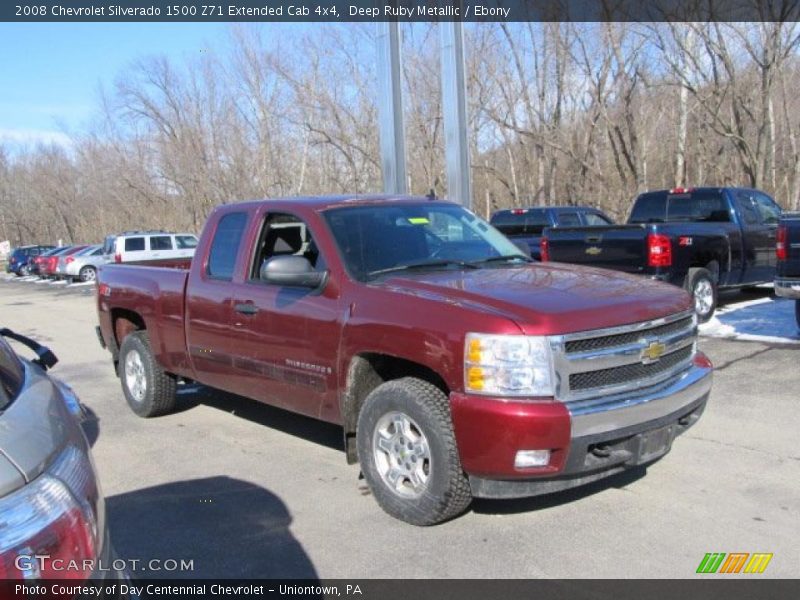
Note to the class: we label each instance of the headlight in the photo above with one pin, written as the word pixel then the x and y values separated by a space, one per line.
pixel 508 365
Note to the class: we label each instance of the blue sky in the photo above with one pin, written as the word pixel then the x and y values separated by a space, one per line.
pixel 50 73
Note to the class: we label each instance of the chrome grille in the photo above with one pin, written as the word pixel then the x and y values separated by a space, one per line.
pixel 621 339
pixel 632 372
pixel 618 360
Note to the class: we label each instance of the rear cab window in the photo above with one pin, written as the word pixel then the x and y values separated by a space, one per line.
pixel 595 219
pixel 704 205
pixel 526 221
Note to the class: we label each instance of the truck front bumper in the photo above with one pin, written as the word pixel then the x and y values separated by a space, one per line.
pixel 788 288
pixel 623 432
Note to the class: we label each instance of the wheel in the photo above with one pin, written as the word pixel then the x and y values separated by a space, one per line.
pixel 88 273
pixel 407 450
pixel 148 389
pixel 700 284
pixel 24 271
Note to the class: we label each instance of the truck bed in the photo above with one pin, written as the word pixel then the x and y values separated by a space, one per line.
pixel 156 293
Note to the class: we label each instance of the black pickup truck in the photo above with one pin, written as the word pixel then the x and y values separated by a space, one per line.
pixel 787 251
pixel 702 239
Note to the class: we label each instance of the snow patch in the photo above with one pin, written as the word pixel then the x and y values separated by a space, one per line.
pixel 769 320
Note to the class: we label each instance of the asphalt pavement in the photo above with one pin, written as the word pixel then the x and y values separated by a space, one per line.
pixel 242 489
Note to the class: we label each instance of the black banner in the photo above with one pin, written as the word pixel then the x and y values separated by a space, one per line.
pixel 728 588
pixel 334 11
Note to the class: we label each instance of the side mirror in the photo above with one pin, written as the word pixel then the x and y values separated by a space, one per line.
pixel 289 270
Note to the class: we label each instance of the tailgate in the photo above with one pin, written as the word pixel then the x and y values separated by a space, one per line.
pixel 791 266
pixel 619 247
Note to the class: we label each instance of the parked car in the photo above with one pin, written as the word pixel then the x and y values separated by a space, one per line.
pixel 42 262
pixel 21 259
pixel 457 366
pixel 52 515
pixel 82 265
pixel 48 265
pixel 787 252
pixel 136 246
pixel 525 225
pixel 702 239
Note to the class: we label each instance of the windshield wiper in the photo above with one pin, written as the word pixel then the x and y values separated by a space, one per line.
pixel 424 265
pixel 502 258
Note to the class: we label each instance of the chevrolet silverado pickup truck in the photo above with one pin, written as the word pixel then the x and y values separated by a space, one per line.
pixel 524 226
pixel 456 366
pixel 702 239
pixel 787 252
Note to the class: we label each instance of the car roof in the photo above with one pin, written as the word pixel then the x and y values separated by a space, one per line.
pixel 320 203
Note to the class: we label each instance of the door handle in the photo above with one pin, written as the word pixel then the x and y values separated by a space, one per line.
pixel 246 308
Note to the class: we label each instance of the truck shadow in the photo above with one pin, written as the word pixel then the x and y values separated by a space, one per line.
pixel 545 501
pixel 312 430
pixel 229 529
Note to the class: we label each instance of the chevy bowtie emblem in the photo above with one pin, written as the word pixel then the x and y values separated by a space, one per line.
pixel 593 250
pixel 653 352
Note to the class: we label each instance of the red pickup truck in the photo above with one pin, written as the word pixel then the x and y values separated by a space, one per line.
pixel 457 367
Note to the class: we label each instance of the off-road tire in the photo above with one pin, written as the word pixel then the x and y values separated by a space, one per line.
pixel 698 282
pixel 446 492
pixel 159 395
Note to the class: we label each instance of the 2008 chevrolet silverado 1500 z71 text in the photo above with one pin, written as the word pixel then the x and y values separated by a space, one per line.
pixel 456 366
pixel 702 239
pixel 787 252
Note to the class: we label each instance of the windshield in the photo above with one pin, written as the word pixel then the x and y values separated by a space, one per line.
pixel 375 239
pixel 12 375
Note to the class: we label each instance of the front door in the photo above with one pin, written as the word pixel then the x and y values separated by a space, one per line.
pixel 287 337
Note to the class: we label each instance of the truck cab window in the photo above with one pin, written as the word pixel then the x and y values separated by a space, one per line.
pixel 284 234
pixel 225 246
pixel 768 211
pixel 747 208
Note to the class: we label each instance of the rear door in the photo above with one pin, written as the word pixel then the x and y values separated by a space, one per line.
pixel 160 247
pixel 211 344
pixel 759 216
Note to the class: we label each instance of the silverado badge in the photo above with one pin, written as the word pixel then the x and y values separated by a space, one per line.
pixel 594 250
pixel 653 352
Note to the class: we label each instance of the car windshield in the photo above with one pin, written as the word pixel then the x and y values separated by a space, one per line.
pixel 375 239
pixel 12 376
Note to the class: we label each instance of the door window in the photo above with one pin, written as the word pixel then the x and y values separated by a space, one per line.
pixel 569 219
pixel 768 211
pixel 160 242
pixel 134 244
pixel 594 219
pixel 747 208
pixel 225 245
pixel 285 234
pixel 185 242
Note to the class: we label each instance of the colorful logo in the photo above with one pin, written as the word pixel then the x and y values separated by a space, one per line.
pixel 736 562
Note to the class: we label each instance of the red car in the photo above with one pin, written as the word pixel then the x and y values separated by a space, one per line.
pixel 48 264
pixel 456 365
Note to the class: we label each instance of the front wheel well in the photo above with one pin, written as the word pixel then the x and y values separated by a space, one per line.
pixel 366 372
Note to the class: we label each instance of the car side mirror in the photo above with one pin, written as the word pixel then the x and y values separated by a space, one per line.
pixel 289 270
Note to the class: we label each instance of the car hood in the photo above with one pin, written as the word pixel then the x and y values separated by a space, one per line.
pixel 548 298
